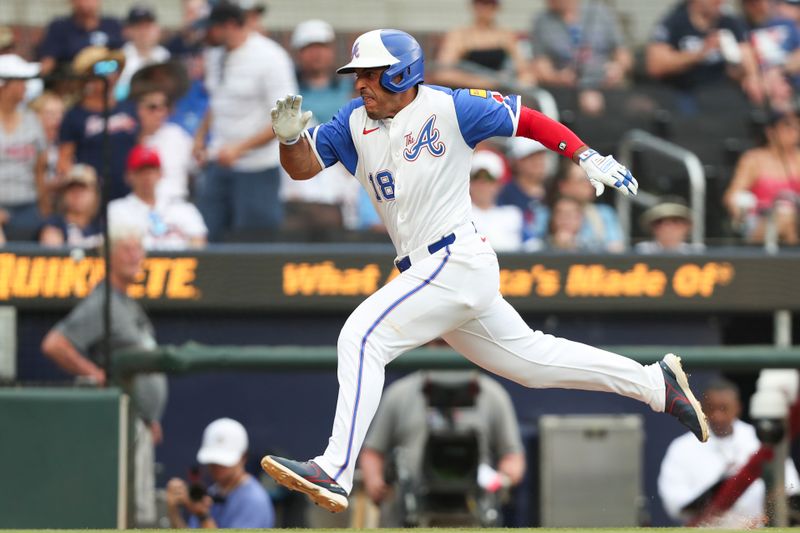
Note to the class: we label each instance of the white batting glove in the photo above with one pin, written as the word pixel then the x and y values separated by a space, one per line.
pixel 288 120
pixel 605 170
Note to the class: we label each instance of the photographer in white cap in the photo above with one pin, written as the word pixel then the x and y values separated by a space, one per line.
pixel 235 499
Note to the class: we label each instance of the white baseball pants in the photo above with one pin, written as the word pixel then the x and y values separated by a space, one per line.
pixel 454 294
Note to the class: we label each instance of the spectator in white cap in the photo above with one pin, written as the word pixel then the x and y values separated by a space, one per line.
pixel 235 499
pixel 669 222
pixel 323 92
pixel 501 225
pixel 22 145
pixel 528 186
pixel 328 204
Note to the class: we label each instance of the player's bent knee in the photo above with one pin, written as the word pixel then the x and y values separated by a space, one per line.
pixel 355 339
pixel 350 340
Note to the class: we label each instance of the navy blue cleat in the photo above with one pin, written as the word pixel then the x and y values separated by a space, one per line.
pixel 680 402
pixel 309 479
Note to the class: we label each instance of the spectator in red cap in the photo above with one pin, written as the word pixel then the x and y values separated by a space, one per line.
pixel 166 224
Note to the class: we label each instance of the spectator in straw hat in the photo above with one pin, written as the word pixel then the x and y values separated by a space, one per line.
pixel 65 37
pixel 7 40
pixel 81 134
pixel 75 224
pixel 669 223
pixel 22 145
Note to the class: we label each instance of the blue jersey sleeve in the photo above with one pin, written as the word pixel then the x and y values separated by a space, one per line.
pixel 333 141
pixel 482 114
pixel 793 38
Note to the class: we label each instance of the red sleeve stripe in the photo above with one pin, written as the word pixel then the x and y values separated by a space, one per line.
pixel 554 135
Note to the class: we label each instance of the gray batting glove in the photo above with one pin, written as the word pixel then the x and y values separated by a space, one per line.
pixel 603 171
pixel 288 120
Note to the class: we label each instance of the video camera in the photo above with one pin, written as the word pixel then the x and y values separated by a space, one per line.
pixel 198 489
pixel 447 492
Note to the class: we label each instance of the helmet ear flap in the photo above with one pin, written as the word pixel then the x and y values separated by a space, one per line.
pixel 411 75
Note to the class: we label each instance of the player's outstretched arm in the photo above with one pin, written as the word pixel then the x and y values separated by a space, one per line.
pixel 601 170
pixel 288 123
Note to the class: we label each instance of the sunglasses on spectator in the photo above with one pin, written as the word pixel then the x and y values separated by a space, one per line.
pixel 155 106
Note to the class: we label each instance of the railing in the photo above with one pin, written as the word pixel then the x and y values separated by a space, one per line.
pixel 640 139
pixel 193 357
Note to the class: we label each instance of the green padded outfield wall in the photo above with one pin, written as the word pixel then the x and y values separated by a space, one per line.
pixel 59 457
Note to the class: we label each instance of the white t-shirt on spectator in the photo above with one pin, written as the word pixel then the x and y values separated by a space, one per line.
pixel 134 61
pixel 244 85
pixel 502 226
pixel 167 226
pixel 174 147
pixel 690 468
pixel 330 186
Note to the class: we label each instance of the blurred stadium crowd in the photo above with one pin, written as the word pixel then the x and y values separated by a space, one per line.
pixel 190 157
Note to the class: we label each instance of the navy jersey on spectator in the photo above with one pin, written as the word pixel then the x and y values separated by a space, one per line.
pixel 85 128
pixel 89 236
pixel 677 30
pixel 64 38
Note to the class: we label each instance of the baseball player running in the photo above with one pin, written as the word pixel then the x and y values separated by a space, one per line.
pixel 410 145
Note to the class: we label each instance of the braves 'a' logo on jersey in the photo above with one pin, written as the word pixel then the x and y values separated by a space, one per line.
pixel 428 138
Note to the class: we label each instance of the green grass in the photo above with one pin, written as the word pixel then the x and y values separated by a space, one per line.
pixel 430 530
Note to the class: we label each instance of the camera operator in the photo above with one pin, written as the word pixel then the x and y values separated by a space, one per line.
pixel 235 499
pixel 406 419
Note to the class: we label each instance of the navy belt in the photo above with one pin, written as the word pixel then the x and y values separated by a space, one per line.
pixel 405 263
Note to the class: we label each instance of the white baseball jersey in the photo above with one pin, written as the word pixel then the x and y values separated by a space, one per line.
pixel 416 165
pixel 416 168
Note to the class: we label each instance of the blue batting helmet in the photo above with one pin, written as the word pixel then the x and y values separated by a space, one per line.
pixel 394 49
